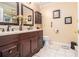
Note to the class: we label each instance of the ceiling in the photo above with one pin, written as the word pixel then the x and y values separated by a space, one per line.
pixel 43 3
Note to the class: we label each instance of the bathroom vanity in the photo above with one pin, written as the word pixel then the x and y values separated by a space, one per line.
pixel 21 44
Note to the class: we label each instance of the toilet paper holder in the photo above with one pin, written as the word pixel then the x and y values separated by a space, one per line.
pixel 56 31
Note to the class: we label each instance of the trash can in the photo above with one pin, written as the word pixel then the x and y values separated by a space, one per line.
pixel 73 44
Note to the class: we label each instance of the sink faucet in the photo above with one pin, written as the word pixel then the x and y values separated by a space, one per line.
pixel 8 28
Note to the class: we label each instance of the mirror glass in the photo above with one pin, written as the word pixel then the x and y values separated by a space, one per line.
pixel 8 12
pixel 27 15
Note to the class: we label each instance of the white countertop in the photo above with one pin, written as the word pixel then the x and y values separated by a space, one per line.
pixel 17 32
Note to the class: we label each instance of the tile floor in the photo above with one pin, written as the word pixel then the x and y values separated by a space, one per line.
pixel 55 50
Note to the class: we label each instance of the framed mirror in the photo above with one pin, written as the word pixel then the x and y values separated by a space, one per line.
pixel 8 13
pixel 28 15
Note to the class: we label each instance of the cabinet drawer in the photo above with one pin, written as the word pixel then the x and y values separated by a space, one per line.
pixel 9 50
pixel 27 35
pixel 40 33
pixel 8 39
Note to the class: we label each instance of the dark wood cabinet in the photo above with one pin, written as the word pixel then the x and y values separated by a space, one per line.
pixel 10 50
pixel 40 40
pixel 23 45
pixel 9 46
pixel 34 44
pixel 29 43
pixel 4 40
pixel 38 18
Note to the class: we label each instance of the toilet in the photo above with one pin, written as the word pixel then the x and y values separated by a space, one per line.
pixel 46 41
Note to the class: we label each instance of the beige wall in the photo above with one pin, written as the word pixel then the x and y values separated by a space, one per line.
pixel 66 31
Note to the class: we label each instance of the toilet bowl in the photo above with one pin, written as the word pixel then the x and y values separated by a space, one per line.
pixel 46 40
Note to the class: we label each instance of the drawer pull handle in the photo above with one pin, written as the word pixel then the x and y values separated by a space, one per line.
pixel 10 51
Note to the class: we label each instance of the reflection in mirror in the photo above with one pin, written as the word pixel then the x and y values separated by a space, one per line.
pixel 27 15
pixel 8 12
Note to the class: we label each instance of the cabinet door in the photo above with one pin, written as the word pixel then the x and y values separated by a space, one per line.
pixel 34 44
pixel 10 50
pixel 25 47
pixel 40 40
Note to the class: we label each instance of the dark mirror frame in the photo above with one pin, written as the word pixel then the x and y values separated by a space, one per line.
pixel 22 5
pixel 4 23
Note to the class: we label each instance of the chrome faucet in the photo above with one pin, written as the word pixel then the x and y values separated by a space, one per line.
pixel 8 28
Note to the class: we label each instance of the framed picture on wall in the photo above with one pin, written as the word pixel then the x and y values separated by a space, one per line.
pixel 68 20
pixel 56 14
